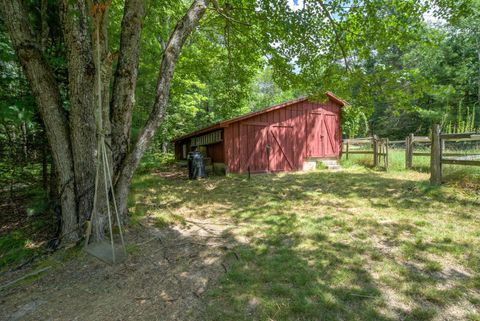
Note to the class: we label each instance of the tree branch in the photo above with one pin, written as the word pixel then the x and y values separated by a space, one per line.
pixel 220 11
pixel 338 40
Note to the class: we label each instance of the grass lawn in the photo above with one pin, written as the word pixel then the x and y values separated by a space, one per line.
pixel 351 245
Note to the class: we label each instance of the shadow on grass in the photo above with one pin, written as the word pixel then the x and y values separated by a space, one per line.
pixel 281 278
pixel 309 256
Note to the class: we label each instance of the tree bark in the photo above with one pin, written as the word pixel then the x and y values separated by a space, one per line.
pixel 44 29
pixel 47 95
pixel 478 74
pixel 103 60
pixel 81 73
pixel 170 56
pixel 125 80
pixel 73 137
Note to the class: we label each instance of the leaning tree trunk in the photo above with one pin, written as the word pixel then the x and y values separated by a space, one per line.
pixel 170 56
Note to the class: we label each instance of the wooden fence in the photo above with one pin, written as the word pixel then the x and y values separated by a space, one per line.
pixel 439 157
pixel 412 140
pixel 410 148
pixel 378 149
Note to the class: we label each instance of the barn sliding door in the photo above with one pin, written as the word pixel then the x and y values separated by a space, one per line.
pixel 315 135
pixel 255 148
pixel 322 133
pixel 281 154
pixel 330 123
pixel 268 148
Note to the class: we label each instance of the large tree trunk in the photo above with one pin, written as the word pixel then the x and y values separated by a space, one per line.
pixel 73 137
pixel 478 73
pixel 47 95
pixel 103 63
pixel 170 56
pixel 81 73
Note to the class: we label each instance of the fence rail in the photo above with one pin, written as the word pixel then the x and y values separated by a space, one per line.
pixel 438 156
pixel 410 147
pixel 463 136
pixel 379 149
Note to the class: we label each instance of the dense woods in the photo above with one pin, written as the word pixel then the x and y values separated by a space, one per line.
pixel 153 70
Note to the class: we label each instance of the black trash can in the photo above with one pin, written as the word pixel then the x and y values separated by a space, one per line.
pixel 196 166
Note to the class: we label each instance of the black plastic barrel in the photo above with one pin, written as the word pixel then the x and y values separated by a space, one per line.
pixel 196 166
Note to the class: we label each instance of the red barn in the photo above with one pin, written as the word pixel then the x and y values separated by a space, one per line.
pixel 285 137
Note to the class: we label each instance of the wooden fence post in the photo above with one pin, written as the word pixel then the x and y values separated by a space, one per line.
pixel 409 151
pixel 436 156
pixel 375 151
pixel 348 147
pixel 407 145
pixel 386 154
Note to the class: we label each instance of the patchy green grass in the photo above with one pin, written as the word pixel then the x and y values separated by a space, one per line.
pixel 351 245
pixel 396 160
pixel 15 247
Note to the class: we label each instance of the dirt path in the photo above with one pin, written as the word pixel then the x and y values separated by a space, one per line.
pixel 165 278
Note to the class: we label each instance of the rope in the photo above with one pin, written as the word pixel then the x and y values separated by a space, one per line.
pixel 108 205
pixel 114 201
pixel 102 157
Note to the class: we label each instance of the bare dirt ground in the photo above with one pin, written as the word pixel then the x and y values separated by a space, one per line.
pixel 164 278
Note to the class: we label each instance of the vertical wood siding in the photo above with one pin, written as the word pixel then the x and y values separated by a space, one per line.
pixel 216 152
pixel 280 140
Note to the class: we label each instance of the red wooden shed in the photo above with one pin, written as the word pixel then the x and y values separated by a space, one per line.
pixel 283 137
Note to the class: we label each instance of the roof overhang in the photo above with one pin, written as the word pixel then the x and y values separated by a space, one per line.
pixel 335 99
pixel 200 131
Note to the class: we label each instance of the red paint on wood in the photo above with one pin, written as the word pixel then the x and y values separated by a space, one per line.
pixel 216 152
pixel 279 138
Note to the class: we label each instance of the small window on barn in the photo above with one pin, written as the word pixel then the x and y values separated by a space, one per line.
pixel 184 151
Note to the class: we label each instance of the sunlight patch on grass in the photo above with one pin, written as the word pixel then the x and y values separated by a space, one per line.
pixel 353 245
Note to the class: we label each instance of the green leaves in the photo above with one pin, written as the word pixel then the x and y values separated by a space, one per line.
pixel 354 121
